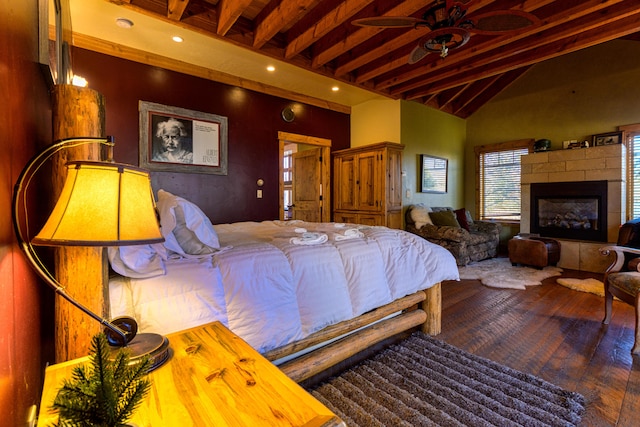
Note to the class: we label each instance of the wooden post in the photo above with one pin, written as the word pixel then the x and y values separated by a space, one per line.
pixel 77 112
pixel 432 305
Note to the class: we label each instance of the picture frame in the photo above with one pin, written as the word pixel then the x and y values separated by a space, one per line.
pixel 434 174
pixel 610 138
pixel 174 139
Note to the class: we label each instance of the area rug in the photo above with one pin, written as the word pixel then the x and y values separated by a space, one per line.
pixel 499 273
pixel 593 286
pixel 426 382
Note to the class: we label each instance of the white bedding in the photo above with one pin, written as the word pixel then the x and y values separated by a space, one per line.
pixel 275 282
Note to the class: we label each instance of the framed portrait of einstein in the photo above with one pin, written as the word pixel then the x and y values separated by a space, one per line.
pixel 174 139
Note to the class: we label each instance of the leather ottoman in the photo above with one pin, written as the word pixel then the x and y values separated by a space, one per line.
pixel 534 251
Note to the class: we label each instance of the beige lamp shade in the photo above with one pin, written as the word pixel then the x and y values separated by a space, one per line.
pixel 103 204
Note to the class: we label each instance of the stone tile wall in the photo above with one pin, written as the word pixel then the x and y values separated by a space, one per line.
pixel 580 164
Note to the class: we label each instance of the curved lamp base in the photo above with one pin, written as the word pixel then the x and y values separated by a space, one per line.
pixel 153 345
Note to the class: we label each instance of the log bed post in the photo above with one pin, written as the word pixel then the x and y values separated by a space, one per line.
pixel 432 305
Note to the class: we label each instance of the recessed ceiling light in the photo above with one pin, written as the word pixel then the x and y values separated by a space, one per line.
pixel 177 39
pixel 335 88
pixel 124 23
pixel 271 68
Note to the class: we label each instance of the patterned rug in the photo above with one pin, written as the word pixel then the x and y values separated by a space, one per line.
pixel 499 273
pixel 425 382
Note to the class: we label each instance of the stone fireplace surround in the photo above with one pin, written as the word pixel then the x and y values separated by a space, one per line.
pixel 603 163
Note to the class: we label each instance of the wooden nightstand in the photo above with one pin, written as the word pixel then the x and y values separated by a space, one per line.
pixel 213 378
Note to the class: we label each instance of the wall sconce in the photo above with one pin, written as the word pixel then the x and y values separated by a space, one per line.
pixel 101 204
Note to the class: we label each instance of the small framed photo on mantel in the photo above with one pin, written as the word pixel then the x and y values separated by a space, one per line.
pixel 610 138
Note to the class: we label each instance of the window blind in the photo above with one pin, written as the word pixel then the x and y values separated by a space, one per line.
pixel 499 177
pixel 634 175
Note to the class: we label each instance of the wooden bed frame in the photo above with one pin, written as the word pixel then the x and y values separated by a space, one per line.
pixel 422 308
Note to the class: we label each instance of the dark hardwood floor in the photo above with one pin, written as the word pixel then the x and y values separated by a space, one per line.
pixel 555 333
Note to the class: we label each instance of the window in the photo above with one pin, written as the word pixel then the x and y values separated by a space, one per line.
pixel 287 167
pixel 632 133
pixel 498 179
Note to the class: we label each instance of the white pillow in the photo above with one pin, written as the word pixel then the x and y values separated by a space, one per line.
pixel 186 229
pixel 139 261
pixel 420 215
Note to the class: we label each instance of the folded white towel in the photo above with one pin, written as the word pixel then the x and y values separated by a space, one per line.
pixel 351 233
pixel 300 230
pixel 310 239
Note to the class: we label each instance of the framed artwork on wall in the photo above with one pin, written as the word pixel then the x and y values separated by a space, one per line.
pixel 434 174
pixel 607 138
pixel 174 139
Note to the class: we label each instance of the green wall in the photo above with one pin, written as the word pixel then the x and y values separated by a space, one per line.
pixel 574 96
pixel 426 130
pixel 570 97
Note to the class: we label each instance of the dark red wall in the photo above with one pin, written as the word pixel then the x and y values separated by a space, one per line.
pixel 26 304
pixel 254 121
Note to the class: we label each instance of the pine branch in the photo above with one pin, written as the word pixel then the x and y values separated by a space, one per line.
pixel 107 395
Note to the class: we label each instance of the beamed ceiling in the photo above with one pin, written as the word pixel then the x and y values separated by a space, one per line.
pixel 318 35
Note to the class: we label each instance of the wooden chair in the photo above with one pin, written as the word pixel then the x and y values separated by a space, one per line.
pixel 622 278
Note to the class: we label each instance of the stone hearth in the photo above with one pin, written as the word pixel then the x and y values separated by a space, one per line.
pixel 605 163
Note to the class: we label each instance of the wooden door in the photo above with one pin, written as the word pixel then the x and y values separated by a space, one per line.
pixel 368 183
pixel 394 179
pixel 345 182
pixel 307 187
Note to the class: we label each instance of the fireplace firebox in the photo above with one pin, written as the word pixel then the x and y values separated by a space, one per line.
pixel 570 210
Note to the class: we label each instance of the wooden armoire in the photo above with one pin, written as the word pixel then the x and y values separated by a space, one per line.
pixel 367 185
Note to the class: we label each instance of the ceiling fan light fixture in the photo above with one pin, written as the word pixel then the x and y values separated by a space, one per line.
pixel 444 39
pixel 438 16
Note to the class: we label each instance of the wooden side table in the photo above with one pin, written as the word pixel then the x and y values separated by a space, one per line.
pixel 213 378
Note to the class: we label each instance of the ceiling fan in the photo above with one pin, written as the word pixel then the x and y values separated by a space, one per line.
pixel 450 26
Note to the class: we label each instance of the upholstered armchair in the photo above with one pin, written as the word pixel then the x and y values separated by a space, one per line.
pixel 466 239
pixel 622 278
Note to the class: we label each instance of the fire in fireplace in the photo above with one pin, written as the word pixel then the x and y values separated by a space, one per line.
pixel 570 210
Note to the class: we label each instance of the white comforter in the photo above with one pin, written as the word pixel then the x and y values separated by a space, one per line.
pixel 275 282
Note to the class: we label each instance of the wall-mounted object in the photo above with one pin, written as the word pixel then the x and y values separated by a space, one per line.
pixel 607 138
pixel 175 139
pixel 434 174
pixel 288 115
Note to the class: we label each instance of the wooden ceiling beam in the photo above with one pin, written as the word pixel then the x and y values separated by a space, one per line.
pixel 228 13
pixel 530 6
pixel 586 39
pixel 286 12
pixel 544 37
pixel 176 8
pixel 327 23
pixel 408 37
pixel 361 35
pixel 482 91
pixel 531 37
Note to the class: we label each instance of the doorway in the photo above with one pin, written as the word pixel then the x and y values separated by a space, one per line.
pixel 304 177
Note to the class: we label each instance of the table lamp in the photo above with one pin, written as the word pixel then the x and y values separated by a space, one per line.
pixel 101 204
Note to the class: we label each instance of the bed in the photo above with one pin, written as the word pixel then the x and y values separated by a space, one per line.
pixel 305 295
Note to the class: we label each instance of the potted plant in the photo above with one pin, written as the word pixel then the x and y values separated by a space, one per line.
pixel 104 393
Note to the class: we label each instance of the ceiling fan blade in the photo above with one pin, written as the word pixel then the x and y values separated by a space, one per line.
pixel 417 54
pixel 500 21
pixel 388 21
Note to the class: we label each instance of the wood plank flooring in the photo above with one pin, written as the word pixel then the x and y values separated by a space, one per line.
pixel 555 333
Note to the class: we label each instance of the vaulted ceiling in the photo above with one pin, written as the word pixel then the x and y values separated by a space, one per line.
pixel 318 35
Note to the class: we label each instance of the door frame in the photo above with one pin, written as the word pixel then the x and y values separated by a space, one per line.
pixel 325 174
